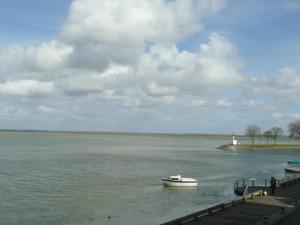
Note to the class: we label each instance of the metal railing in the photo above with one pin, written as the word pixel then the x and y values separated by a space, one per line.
pixel 246 190
pixel 252 182
pixel 261 182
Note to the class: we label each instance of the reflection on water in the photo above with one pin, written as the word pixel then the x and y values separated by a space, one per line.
pixel 115 179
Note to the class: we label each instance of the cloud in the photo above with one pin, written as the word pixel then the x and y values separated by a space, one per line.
pixel 292 6
pixel 46 56
pixel 167 71
pixel 26 88
pixel 101 51
pixel 112 31
pixel 46 109
pixel 134 21
pixel 277 115
pixel 153 89
pixel 163 75
pixel 224 102
pixel 121 60
pixel 284 85
pixel 83 82
pixel 9 111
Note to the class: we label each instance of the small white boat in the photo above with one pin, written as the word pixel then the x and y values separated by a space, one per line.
pixel 292 169
pixel 293 166
pixel 178 181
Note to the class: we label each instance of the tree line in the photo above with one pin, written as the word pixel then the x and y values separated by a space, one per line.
pixel 254 131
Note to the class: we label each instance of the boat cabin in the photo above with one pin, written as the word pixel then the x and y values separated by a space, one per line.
pixel 175 178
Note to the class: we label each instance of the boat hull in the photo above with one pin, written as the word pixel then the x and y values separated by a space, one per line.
pixel 169 183
pixel 292 170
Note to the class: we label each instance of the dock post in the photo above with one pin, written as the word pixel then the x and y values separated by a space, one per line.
pixel 265 182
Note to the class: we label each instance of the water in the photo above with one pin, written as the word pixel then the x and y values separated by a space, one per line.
pixel 87 179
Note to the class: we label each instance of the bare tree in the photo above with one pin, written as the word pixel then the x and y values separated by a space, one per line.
pixel 294 128
pixel 276 132
pixel 252 131
pixel 268 134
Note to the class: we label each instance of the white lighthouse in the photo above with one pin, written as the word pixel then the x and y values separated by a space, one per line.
pixel 234 141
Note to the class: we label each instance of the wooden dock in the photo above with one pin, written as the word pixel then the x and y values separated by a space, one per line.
pixel 252 209
pixel 245 186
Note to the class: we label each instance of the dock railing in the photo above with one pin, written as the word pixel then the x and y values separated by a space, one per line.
pixel 243 186
pixel 246 190
pixel 254 184
pixel 262 182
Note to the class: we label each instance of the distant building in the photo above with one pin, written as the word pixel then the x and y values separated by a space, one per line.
pixel 234 141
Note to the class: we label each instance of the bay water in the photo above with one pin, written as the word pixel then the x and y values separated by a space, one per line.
pixel 109 179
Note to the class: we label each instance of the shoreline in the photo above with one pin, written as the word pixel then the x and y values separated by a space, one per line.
pixel 9 131
pixel 278 147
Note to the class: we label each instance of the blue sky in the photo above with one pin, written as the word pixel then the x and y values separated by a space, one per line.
pixel 149 66
pixel 31 21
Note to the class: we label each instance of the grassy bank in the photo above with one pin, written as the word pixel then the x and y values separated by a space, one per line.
pixel 262 147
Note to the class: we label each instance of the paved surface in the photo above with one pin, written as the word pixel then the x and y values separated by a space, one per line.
pixel 293 219
pixel 259 209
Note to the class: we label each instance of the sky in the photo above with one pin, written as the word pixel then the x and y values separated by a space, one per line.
pixel 192 66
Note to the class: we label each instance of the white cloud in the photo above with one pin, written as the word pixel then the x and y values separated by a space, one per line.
pixel 115 56
pixel 82 82
pixel 46 109
pixel 26 88
pixel 162 75
pixel 113 31
pixel 292 6
pixel 167 71
pixel 9 111
pixel 134 21
pixel 283 86
pixel 153 89
pixel 101 51
pixel 250 103
pixel 295 116
pixel 277 115
pixel 46 56
pixel 198 102
pixel 224 102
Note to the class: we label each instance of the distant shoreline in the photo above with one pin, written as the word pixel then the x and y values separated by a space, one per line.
pixel 261 147
pixel 13 131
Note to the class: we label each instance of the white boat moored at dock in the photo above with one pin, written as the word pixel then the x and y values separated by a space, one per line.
pixel 178 181
pixel 293 166
pixel 291 169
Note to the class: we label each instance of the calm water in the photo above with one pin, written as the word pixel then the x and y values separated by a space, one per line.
pixel 115 179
